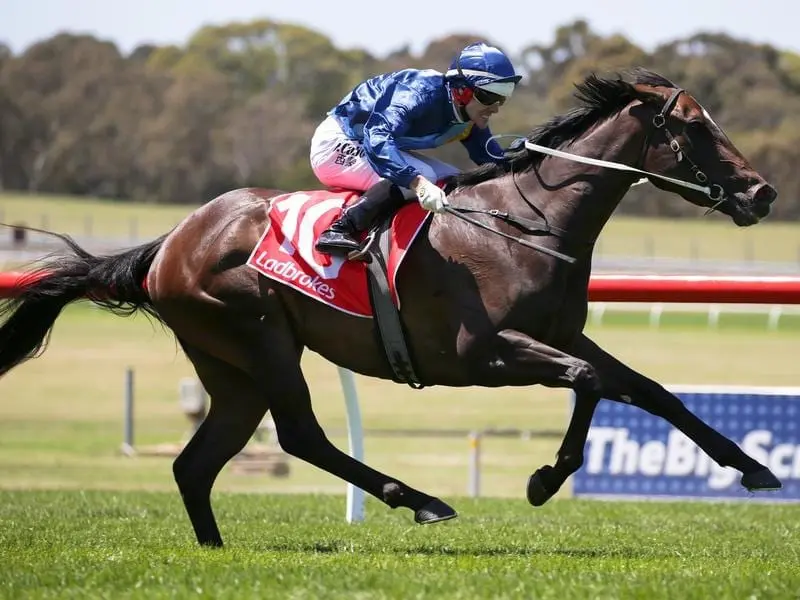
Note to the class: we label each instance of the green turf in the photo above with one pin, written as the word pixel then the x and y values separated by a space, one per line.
pixel 140 545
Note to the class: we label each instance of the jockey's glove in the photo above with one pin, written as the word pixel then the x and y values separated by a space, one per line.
pixel 430 196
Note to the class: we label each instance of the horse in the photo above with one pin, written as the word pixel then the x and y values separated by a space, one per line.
pixel 503 303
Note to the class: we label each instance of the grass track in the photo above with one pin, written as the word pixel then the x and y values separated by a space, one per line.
pixel 139 545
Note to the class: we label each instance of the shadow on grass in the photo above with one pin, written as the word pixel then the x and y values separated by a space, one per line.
pixel 346 547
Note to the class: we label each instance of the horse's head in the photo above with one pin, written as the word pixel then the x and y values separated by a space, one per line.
pixel 648 126
pixel 684 142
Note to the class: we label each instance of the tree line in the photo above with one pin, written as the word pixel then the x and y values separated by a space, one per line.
pixel 237 103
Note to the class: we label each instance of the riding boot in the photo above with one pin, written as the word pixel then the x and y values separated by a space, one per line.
pixel 379 200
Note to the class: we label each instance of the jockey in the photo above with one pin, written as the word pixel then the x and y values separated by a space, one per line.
pixel 369 141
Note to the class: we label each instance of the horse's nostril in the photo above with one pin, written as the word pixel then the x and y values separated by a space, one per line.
pixel 765 194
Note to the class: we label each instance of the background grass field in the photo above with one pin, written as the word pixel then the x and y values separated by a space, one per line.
pixel 713 237
pixel 90 216
pixel 61 414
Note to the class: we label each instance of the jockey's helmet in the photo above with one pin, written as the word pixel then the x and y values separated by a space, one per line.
pixel 485 68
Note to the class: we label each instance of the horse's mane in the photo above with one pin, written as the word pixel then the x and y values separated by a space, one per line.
pixel 599 97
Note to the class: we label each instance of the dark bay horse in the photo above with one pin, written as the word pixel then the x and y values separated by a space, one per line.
pixel 478 309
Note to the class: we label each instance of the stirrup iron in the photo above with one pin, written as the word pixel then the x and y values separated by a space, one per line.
pixel 362 253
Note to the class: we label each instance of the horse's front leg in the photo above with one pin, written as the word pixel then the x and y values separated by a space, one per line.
pixel 547 480
pixel 516 359
pixel 621 383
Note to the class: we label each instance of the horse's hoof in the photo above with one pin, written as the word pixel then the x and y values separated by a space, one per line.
pixel 761 481
pixel 538 493
pixel 434 512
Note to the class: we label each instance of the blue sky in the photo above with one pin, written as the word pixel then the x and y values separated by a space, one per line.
pixel 414 22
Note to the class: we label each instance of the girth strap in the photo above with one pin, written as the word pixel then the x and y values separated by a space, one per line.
pixel 390 328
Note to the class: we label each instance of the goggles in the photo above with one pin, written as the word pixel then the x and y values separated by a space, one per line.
pixel 488 98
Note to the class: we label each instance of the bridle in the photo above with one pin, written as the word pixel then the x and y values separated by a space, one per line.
pixel 715 192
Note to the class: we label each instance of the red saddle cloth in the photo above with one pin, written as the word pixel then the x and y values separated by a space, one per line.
pixel 285 252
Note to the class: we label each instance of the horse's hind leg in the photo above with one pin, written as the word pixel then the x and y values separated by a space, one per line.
pixel 237 407
pixel 247 365
pixel 300 434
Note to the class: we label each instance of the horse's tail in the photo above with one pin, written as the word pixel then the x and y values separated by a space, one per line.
pixel 114 282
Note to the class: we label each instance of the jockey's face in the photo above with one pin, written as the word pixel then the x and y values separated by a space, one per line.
pixel 480 113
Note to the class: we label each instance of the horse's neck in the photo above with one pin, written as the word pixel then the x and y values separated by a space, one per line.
pixel 576 197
